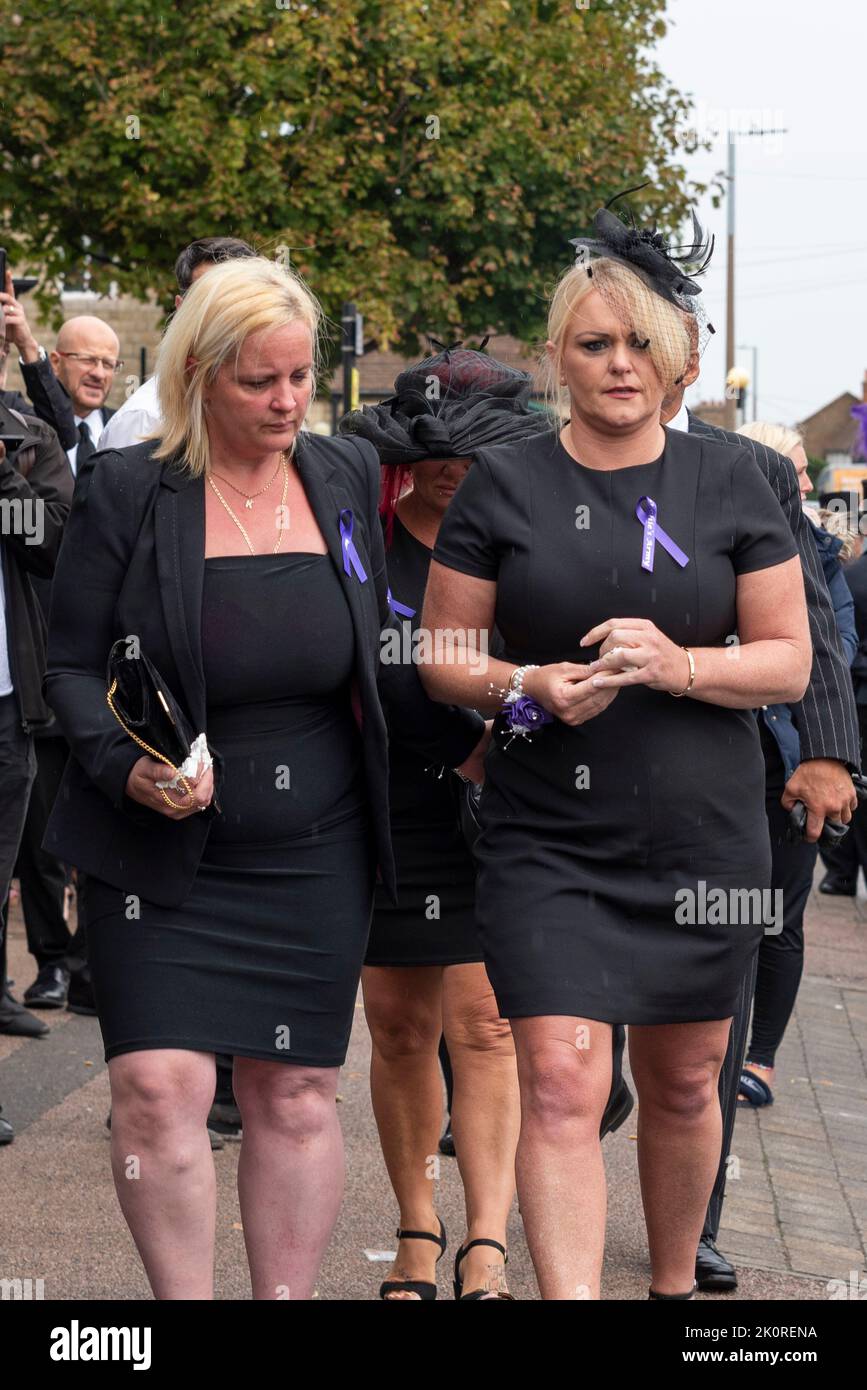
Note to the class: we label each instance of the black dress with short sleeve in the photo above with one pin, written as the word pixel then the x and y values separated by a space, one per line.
pixel 622 862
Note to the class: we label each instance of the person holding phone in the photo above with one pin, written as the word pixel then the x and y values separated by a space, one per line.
pixel 35 496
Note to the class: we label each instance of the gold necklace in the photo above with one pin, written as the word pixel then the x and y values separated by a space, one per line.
pixel 240 527
pixel 250 495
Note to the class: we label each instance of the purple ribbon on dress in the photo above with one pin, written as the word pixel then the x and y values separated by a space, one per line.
pixel 399 608
pixel 653 532
pixel 350 554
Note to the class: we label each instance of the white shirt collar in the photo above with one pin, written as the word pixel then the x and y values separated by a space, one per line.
pixel 94 422
pixel 681 419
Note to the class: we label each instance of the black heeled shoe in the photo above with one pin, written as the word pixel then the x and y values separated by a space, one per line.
pixel 672 1297
pixel 426 1292
pixel 477 1294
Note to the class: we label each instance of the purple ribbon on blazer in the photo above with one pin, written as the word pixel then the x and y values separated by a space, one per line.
pixel 399 608
pixel 653 532
pixel 350 554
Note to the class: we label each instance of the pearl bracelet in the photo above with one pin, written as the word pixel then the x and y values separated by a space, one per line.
pixel 516 680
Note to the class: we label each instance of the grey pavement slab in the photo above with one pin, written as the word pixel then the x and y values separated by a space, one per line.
pixel 795 1215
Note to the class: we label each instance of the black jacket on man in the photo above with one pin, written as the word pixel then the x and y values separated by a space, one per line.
pixel 37 475
pixel 826 718
pixel 52 403
pixel 132 563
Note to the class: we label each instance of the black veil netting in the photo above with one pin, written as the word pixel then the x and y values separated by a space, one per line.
pixel 668 268
pixel 449 406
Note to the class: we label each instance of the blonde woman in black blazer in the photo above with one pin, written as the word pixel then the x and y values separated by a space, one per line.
pixel 238 928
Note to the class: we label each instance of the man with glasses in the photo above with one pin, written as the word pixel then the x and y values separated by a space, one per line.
pixel 68 386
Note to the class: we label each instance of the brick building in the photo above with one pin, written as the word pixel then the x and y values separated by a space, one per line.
pixel 832 433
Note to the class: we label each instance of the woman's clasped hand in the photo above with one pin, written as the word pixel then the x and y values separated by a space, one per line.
pixel 142 786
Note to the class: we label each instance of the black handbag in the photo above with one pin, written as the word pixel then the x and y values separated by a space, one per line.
pixel 145 708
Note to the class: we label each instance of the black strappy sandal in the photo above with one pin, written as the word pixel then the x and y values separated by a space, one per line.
pixel 426 1292
pixel 477 1294
pixel 672 1297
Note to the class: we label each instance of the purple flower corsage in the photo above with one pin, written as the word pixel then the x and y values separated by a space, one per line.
pixel 523 715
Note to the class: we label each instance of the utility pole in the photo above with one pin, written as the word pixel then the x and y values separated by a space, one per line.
pixel 731 401
pixel 352 325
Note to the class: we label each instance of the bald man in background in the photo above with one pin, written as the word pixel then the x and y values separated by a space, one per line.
pixel 69 385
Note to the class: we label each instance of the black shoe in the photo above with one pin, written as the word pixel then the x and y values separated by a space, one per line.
pixel 424 1291
pixel 478 1295
pixel 16 1021
pixel 838 887
pixel 447 1143
pixel 225 1120
pixel 713 1272
pixel 7 1133
pixel 81 998
pixel 49 989
pixel 618 1109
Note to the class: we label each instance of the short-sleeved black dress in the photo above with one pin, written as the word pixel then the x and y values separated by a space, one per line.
pixel 433 920
pixel 622 862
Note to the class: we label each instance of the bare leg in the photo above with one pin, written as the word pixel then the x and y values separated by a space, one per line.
pixel 564 1070
pixel 290 1174
pixel 162 1165
pixel 676 1069
pixel 486 1115
pixel 404 1013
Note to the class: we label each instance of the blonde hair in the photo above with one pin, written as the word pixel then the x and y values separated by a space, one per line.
pixel 219 311
pixel 783 439
pixel 645 312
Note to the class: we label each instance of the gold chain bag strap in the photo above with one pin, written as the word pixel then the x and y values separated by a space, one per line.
pixel 158 757
pixel 146 702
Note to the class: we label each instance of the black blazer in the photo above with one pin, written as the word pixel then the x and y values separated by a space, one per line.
pixel 132 562
pixel 826 719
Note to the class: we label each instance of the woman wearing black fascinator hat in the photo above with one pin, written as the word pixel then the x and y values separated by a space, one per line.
pixel 624 846
pixel 424 975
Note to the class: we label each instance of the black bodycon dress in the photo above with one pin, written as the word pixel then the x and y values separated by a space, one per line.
pixel 433 921
pixel 263 958
pixel 603 845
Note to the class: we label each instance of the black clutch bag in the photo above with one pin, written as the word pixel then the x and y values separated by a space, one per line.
pixel 145 708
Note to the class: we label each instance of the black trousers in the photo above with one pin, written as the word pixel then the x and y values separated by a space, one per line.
pixel 17 771
pixel 43 878
pixel 781 955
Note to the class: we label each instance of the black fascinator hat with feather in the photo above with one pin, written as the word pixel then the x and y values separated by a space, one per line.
pixel 668 268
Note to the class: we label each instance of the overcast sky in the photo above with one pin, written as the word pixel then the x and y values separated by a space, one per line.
pixel 801 198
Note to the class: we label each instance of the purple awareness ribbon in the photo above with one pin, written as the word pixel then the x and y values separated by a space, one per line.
pixel 653 532
pixel 399 608
pixel 350 554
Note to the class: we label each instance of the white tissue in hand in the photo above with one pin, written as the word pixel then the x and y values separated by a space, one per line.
pixel 199 761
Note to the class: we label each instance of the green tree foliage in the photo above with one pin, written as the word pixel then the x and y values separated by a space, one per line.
pixel 429 161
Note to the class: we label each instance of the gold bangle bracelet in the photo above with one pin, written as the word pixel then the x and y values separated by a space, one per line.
pixel 679 694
